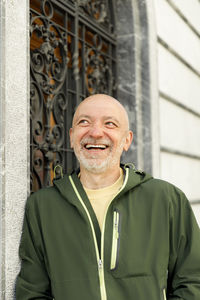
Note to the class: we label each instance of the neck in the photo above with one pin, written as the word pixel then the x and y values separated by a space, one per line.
pixel 96 181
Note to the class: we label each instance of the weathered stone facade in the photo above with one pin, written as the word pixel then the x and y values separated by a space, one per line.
pixel 137 89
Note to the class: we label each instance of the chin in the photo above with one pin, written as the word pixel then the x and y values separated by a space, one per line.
pixel 94 166
pixel 98 166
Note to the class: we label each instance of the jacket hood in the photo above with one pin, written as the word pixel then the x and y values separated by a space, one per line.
pixel 66 185
pixel 134 177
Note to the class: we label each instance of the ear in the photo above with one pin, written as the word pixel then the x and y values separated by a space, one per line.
pixel 71 137
pixel 128 140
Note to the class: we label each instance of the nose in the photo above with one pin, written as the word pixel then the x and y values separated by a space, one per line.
pixel 96 131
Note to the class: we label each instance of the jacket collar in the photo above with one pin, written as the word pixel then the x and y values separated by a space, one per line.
pixel 133 178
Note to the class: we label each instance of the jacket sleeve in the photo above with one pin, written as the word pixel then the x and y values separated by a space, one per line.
pixel 33 281
pixel 184 262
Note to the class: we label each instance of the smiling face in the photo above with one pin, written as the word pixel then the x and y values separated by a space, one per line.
pixel 100 133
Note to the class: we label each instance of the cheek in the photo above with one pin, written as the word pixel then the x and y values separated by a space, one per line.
pixel 76 138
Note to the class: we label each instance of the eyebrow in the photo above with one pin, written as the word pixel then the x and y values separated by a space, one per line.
pixel 111 118
pixel 82 116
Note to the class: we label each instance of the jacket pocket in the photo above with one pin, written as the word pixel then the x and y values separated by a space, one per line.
pixel 115 240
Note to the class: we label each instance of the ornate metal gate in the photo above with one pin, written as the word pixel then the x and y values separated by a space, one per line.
pixel 73 55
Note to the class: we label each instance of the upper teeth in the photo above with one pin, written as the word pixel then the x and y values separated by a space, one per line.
pixel 95 146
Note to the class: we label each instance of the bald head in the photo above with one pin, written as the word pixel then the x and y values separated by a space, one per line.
pixel 100 133
pixel 103 102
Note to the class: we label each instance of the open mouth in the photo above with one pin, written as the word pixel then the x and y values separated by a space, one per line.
pixel 95 147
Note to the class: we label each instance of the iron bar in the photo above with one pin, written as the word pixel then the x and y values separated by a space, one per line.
pixel 71 58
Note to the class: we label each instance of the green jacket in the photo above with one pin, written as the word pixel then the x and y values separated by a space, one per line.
pixel 149 247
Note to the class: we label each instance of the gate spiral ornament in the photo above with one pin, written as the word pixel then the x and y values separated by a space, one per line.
pixel 69 60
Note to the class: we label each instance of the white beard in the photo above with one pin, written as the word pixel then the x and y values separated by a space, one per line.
pixel 100 165
pixel 95 165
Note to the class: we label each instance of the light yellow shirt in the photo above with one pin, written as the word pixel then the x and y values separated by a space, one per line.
pixel 101 198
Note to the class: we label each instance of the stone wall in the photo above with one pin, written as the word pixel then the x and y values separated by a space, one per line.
pixel 178 30
pixel 137 79
pixel 134 73
pixel 137 91
pixel 14 127
pixel 179 159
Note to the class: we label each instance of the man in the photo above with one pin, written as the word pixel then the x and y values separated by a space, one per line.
pixel 108 231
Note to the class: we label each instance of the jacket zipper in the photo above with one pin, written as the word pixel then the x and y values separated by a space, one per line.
pixel 164 295
pixel 100 260
pixel 104 221
pixel 115 240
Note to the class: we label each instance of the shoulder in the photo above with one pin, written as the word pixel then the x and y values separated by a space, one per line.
pixel 163 186
pixel 155 188
pixel 166 191
pixel 41 198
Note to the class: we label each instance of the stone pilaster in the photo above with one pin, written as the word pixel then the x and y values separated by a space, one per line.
pixel 14 127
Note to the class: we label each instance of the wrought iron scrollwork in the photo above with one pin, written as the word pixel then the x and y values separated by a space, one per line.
pixel 98 72
pixel 49 69
pixel 48 75
pixel 96 9
pixel 69 60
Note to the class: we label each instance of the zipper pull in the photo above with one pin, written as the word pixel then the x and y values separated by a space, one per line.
pixel 116 224
pixel 100 264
